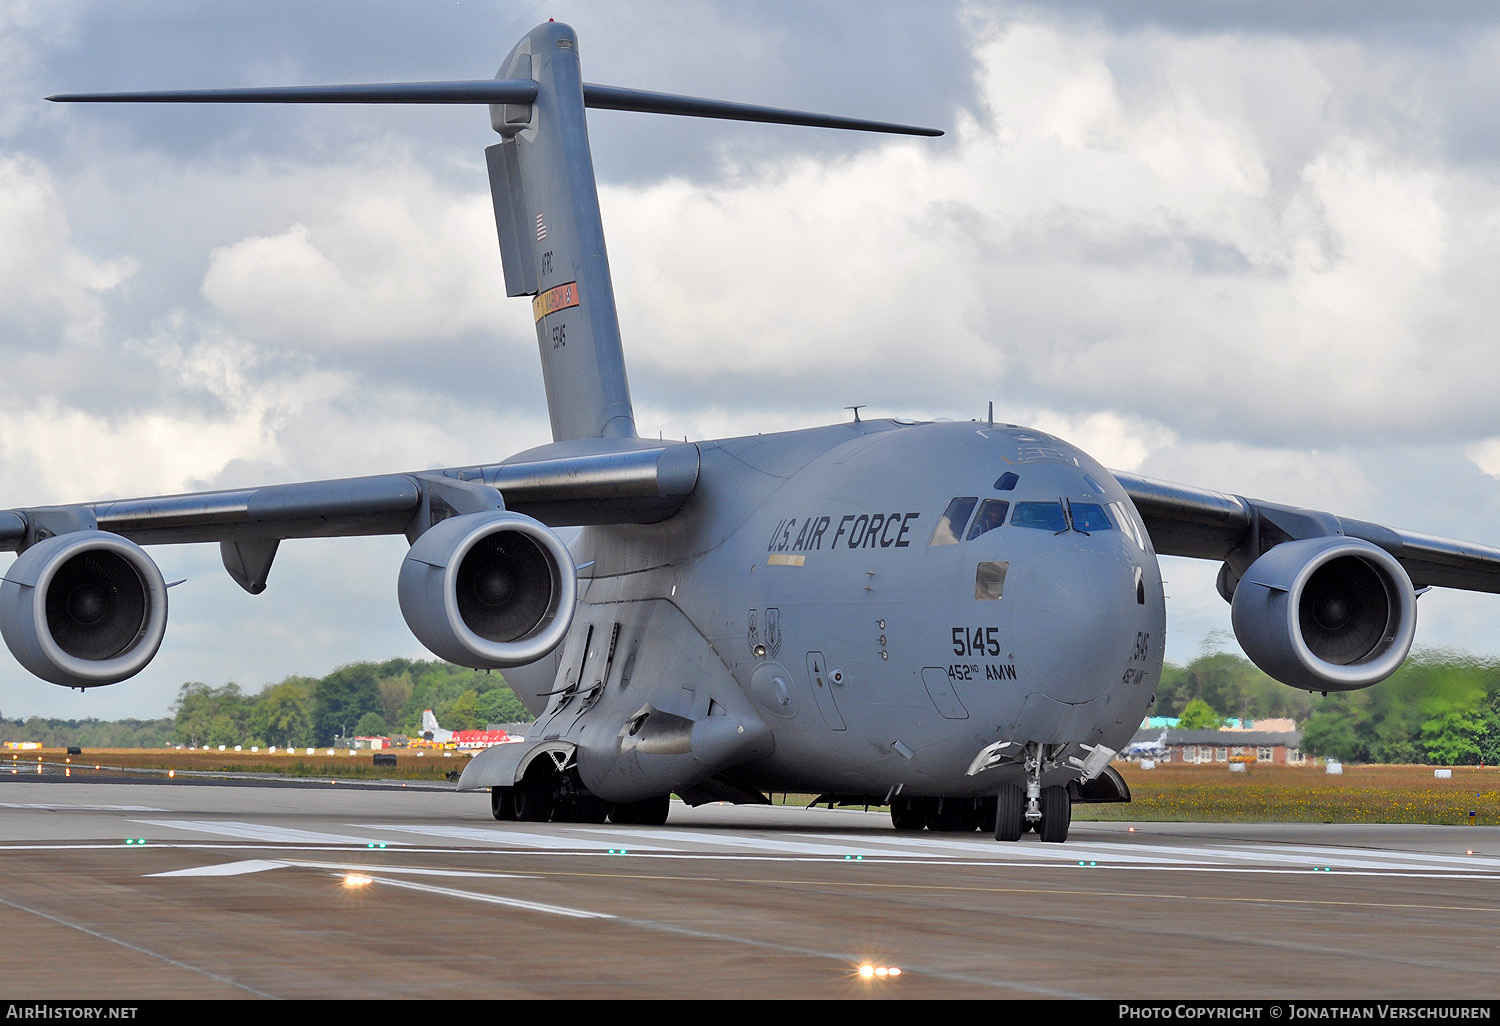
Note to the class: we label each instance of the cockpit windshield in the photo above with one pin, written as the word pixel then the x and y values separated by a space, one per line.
pixel 950 525
pixel 1043 516
pixel 1088 517
pixel 991 515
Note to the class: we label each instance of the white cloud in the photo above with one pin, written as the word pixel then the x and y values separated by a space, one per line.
pixel 388 258
pixel 47 287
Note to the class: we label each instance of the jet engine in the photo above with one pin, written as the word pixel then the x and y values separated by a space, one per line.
pixel 489 590
pixel 83 609
pixel 1326 614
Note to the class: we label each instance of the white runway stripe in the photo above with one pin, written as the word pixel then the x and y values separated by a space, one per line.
pixel 227 868
pixel 1413 858
pixel 718 841
pixel 1346 858
pixel 494 899
pixel 505 836
pixel 256 831
pixel 1011 851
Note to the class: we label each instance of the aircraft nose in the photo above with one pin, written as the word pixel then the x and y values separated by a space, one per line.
pixel 1076 620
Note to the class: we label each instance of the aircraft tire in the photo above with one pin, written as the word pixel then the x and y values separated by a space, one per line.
pixel 1010 813
pixel 503 803
pixel 533 797
pixel 586 808
pixel 1057 815
pixel 646 812
pixel 908 814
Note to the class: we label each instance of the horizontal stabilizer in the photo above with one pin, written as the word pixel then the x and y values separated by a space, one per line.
pixel 488 90
pixel 614 98
pixel 500 90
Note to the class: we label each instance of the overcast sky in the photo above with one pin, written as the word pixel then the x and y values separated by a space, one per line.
pixel 1248 246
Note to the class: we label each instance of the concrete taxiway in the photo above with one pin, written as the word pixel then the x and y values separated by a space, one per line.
pixel 122 890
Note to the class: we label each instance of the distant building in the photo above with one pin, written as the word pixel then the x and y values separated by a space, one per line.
pixel 1276 747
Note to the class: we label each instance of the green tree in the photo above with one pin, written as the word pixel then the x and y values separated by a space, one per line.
pixel 1199 715
pixel 370 725
pixel 283 713
pixel 1452 738
pixel 500 705
pixel 202 712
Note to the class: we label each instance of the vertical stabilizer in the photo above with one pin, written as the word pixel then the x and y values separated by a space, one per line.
pixel 552 238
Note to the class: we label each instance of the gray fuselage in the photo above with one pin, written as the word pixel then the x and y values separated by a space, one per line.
pixel 817 583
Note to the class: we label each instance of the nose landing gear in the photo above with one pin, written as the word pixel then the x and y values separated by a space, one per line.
pixel 1047 810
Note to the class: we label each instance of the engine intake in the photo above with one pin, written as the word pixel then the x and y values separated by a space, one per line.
pixel 84 609
pixel 489 590
pixel 1326 614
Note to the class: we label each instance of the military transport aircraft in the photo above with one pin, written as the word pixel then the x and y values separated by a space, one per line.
pixel 963 621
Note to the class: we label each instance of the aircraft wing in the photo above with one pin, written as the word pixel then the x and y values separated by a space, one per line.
pixel 627 485
pixel 1203 524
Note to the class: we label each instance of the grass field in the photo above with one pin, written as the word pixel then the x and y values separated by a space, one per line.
pixel 431 765
pixel 1292 794
pixel 1171 792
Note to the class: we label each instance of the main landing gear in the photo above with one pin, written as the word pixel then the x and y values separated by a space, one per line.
pixel 544 795
pixel 949 815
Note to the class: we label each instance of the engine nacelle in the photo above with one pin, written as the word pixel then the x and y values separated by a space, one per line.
pixel 84 609
pixel 1326 614
pixel 489 590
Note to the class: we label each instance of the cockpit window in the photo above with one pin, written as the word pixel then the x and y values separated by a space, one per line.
pixel 1088 518
pixel 989 580
pixel 991 515
pixel 1044 516
pixel 950 526
pixel 1007 481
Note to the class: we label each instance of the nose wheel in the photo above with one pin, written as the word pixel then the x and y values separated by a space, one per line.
pixel 1047 810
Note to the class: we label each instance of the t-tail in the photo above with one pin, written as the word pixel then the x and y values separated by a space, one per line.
pixel 546 202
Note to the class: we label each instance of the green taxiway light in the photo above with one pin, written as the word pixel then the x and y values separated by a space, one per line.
pixel 373 844
pixel 619 851
pixel 854 858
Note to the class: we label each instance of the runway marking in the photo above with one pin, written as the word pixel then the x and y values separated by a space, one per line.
pixel 227 868
pixel 498 836
pixel 1314 856
pixel 136 948
pixel 1486 861
pixel 1007 851
pixel 741 841
pixel 57 807
pixel 261 865
pixel 256 831
pixel 494 899
pixel 1170 857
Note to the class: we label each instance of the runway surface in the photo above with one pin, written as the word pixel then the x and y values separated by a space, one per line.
pixel 114 890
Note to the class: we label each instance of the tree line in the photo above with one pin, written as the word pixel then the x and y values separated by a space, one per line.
pixel 361 699
pixel 1439 708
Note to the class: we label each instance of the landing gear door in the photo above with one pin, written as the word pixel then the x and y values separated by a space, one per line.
pixel 821 679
